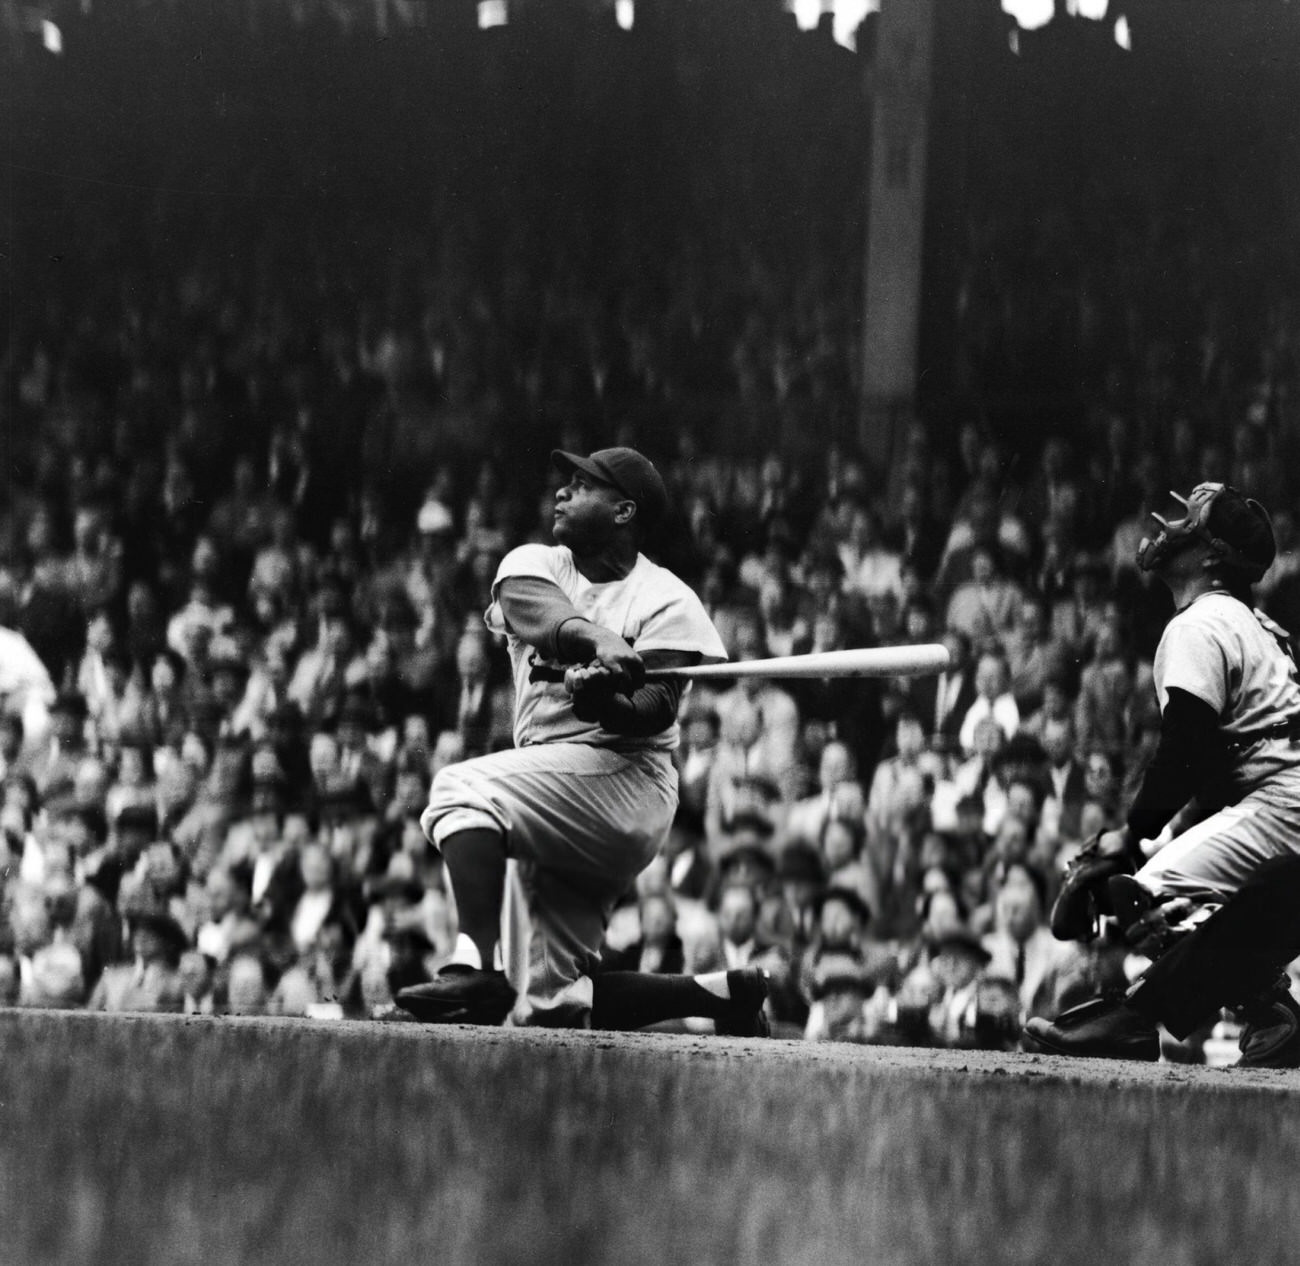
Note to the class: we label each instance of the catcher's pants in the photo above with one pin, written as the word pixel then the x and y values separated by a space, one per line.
pixel 1211 860
pixel 580 823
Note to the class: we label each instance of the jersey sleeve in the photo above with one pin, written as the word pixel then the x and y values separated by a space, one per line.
pixel 1197 661
pixel 680 623
pixel 538 562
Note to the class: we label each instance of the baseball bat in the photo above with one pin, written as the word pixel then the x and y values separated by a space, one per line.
pixel 875 661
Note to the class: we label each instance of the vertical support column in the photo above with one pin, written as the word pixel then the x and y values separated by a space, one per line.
pixel 899 91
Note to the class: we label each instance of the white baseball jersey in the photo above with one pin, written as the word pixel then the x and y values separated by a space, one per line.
pixel 1223 653
pixel 650 608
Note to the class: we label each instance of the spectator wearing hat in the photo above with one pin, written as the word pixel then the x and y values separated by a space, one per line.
pixel 1077 614
pixel 358 762
pixel 940 989
pixel 152 980
pixel 801 874
pixel 835 976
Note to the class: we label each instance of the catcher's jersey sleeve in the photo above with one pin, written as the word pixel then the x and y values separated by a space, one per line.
pixel 650 607
pixel 1218 650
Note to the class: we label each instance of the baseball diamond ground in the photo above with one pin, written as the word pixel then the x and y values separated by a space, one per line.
pixel 173 1140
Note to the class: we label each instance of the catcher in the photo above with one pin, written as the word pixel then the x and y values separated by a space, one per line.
pixel 1215 908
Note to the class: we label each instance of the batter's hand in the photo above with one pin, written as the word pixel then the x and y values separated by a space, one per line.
pixel 618 658
pixel 590 686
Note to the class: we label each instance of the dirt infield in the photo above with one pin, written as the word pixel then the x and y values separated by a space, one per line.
pixel 174 1140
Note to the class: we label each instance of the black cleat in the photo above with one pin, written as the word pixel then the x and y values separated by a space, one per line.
pixel 459 995
pixel 1270 1036
pixel 746 1016
pixel 1105 1028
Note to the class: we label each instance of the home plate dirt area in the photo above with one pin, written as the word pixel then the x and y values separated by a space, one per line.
pixel 172 1140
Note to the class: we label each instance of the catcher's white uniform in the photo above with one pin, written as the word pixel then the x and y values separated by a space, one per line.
pixel 1231 658
pixel 583 810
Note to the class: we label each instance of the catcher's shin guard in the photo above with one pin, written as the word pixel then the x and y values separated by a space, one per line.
pixel 1236 954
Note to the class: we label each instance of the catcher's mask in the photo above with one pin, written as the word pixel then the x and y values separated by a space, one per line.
pixel 1174 537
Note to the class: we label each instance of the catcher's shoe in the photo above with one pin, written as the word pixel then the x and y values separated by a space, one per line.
pixel 1105 1028
pixel 746 1014
pixel 1270 1037
pixel 459 995
pixel 1083 897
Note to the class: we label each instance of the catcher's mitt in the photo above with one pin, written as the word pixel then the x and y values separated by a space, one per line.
pixel 1083 898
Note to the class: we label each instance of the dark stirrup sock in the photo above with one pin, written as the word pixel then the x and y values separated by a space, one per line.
pixel 623 1000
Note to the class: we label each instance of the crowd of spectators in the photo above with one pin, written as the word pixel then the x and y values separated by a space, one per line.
pixel 263 458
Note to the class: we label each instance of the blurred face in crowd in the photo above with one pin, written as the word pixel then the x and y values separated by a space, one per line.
pixel 316 867
pixel 840 844
pixel 1058 740
pixel 196 974
pixel 415 732
pixel 1099 779
pixel 658 919
pixel 943 915
pixel 1022 803
pixel 835 767
pixel 909 737
pixel 448 749
pixel 738 913
pixel 472 660
pixel 92 780
pixel 987 738
pixel 848 800
pixel 1018 908
pixel 247 986
pixel 991 676
pixel 323 756
pixel 840 924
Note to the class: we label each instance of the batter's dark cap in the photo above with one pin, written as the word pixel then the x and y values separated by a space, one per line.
pixel 633 474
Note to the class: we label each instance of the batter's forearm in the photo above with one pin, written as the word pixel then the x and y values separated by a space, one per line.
pixel 649 710
pixel 538 612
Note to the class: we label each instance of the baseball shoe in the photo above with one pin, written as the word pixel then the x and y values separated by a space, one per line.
pixel 459 995
pixel 746 1015
pixel 1270 1035
pixel 1104 1028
